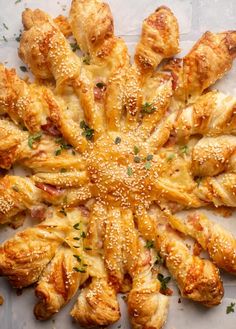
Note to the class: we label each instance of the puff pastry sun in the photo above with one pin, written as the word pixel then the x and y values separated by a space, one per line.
pixel 113 150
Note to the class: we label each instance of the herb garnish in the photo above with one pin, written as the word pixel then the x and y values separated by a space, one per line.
pixel 159 260
pixel 164 281
pixel 5 27
pixel 129 171
pixel 77 257
pixel 171 157
pixel 136 150
pixel 184 149
pixel 23 69
pixel 149 157
pixel 137 159
pixel 148 108
pixel 117 140
pixel 34 138
pixel 86 60
pixel 147 165
pixel 74 46
pixel 62 211
pixel 87 131
pixel 149 244
pixel 101 85
pixel 230 308
pixel 76 226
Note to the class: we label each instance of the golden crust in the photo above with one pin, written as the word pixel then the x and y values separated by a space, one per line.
pixel 96 305
pixel 159 40
pixel 210 58
pixel 91 23
pixel 220 244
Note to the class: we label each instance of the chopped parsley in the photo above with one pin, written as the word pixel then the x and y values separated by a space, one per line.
pixel 164 281
pixel 198 181
pixel 17 1
pixel 129 171
pixel 87 248
pixel 57 152
pixel 76 238
pixel 80 270
pixel 5 27
pixel 170 157
pixel 149 157
pixel 136 150
pixel 147 165
pixel 149 244
pixel 148 108
pixel 230 308
pixel 184 149
pixel 34 138
pixel 117 140
pixel 159 260
pixel 4 38
pixel 23 69
pixel 87 131
pixel 62 211
pixel 76 226
pixel 83 235
pixel 78 258
pixel 63 170
pixel 15 188
pixel 74 46
pixel 137 159
pixel 86 60
pixel 101 85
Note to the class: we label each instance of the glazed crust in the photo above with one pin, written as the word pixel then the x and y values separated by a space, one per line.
pixel 159 40
pixel 220 244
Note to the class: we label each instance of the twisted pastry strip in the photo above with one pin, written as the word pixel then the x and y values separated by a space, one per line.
pixel 213 155
pixel 211 115
pixel 97 303
pixel 159 40
pixel 24 257
pixel 219 190
pixel 92 25
pixel 38 152
pixel 20 193
pixel 60 280
pixel 128 255
pixel 35 107
pixel 198 279
pixel 25 104
pixel 16 195
pixel 43 45
pixel 220 244
pixel 210 58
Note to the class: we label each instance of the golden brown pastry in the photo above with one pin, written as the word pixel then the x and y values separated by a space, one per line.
pixel 219 190
pixel 16 195
pixel 213 155
pixel 159 40
pixel 97 303
pixel 24 257
pixel 198 279
pixel 220 243
pixel 209 59
pixel 212 114
pixel 66 272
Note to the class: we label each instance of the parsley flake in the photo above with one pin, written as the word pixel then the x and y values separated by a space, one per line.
pixel 136 150
pixel 137 159
pixel 76 226
pixel 83 235
pixel 149 157
pixel 117 140
pixel 57 152
pixel 23 69
pixel 164 281
pixel 148 165
pixel 87 248
pixel 230 308
pixel 78 258
pixel 5 27
pixel 86 60
pixel 170 157
pixel 80 270
pixel 62 211
pixel 87 131
pixel 15 188
pixel 184 149
pixel 129 171
pixel 74 46
pixel 34 138
pixel 101 85
pixel 159 260
pixel 63 170
pixel 148 108
pixel 149 244
pixel 4 38
pixel 17 1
